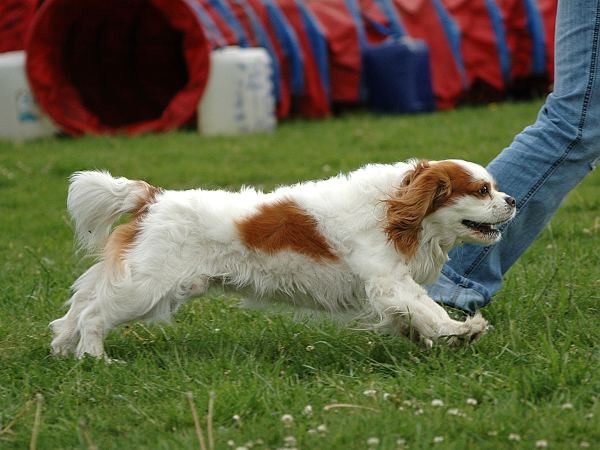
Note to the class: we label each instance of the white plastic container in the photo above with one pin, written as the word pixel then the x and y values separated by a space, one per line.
pixel 239 94
pixel 20 115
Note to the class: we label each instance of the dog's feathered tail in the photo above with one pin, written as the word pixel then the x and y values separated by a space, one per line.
pixel 96 200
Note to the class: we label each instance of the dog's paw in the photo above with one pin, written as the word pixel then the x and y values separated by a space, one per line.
pixel 64 340
pixel 60 349
pixel 468 331
pixel 425 342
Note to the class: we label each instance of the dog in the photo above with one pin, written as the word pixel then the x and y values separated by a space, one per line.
pixel 361 244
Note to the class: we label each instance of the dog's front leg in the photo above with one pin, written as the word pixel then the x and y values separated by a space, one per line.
pixel 403 306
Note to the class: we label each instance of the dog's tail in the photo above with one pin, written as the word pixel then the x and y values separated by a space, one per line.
pixel 96 200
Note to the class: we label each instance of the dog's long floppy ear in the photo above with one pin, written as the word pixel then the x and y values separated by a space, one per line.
pixel 422 191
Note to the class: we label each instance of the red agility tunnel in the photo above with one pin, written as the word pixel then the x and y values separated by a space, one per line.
pixel 548 12
pixel 15 17
pixel 108 66
pixel 314 102
pixel 480 46
pixel 343 46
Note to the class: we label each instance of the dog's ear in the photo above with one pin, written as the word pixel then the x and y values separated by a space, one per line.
pixel 422 192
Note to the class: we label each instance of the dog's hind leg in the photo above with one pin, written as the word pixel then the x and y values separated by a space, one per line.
pixel 190 289
pixel 116 303
pixel 134 297
pixel 171 302
pixel 65 331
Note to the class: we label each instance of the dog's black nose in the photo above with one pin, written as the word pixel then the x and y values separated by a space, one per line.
pixel 511 201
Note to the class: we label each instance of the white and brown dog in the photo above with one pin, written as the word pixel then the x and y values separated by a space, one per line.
pixel 362 243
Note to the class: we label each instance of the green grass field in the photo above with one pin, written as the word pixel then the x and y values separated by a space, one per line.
pixel 534 380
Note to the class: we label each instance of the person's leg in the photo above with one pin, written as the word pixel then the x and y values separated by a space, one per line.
pixel 543 163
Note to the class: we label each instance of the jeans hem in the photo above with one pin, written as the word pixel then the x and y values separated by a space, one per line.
pixel 457 291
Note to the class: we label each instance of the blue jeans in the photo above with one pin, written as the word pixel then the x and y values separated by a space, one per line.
pixel 543 163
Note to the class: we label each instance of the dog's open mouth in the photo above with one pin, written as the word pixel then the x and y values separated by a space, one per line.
pixel 483 228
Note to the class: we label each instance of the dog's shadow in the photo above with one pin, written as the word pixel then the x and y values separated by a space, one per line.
pixel 224 335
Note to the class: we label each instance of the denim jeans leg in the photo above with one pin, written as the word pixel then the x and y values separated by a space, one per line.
pixel 543 163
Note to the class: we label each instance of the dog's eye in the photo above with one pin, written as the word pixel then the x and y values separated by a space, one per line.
pixel 484 190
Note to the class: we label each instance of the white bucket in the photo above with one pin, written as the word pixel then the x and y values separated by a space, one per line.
pixel 20 115
pixel 239 93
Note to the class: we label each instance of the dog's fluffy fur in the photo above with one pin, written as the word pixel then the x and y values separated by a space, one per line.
pixel 361 244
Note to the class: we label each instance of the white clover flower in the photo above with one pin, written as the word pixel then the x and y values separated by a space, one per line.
pixel 386 396
pixel 400 442
pixel 290 441
pixel 438 439
pixel 437 402
pixel 322 428
pixel 370 393
pixel 373 441
pixel 584 444
pixel 312 431
pixel 310 348
pixel 514 437
pixel 471 401
pixel 287 420
pixel 455 412
pixel 542 443
pixel 236 418
pixel 308 410
pixel 566 406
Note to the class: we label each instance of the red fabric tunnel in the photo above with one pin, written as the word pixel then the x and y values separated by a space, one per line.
pixel 15 17
pixel 108 66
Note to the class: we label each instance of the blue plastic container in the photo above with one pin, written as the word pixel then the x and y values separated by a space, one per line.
pixel 397 76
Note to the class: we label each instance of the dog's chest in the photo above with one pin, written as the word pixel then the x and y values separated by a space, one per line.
pixel 426 266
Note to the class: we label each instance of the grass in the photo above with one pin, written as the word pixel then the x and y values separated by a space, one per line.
pixel 535 377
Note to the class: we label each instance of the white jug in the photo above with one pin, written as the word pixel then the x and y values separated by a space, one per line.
pixel 20 115
pixel 239 94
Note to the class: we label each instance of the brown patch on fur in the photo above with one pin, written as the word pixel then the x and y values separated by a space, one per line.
pixel 124 235
pixel 283 225
pixel 462 183
pixel 426 189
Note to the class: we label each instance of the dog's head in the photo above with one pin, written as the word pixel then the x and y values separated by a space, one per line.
pixel 454 201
